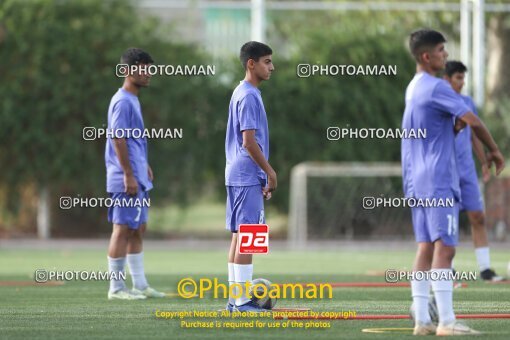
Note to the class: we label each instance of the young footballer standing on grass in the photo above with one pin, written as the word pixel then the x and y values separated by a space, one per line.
pixel 429 170
pixel 471 198
pixel 128 177
pixel 249 178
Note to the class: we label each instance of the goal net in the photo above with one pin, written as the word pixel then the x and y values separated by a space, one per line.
pixel 327 202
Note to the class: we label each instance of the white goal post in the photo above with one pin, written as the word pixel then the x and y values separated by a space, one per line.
pixel 298 210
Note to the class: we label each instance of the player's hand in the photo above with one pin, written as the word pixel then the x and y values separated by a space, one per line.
pixel 130 184
pixel 271 185
pixel 149 172
pixel 486 173
pixel 267 194
pixel 459 125
pixel 497 158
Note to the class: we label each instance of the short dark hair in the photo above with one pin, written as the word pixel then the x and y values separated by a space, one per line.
pixel 135 56
pixel 423 40
pixel 453 67
pixel 253 50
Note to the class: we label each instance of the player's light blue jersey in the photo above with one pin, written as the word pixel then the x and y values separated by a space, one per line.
pixel 463 146
pixel 429 167
pixel 246 112
pixel 125 113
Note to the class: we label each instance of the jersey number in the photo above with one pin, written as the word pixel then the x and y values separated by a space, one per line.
pixel 137 219
pixel 452 224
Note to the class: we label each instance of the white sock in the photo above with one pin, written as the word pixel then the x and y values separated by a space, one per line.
pixel 231 281
pixel 243 273
pixel 420 291
pixel 135 264
pixel 443 291
pixel 116 265
pixel 483 258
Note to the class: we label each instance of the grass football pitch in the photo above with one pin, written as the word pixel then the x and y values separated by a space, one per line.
pixel 80 309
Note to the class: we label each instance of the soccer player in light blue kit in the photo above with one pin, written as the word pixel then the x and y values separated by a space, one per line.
pixel 429 171
pixel 471 198
pixel 249 178
pixel 128 177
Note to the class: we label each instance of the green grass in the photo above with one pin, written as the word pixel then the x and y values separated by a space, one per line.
pixel 80 310
pixel 205 219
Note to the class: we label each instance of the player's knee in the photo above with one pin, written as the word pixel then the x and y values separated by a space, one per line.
pixel 446 253
pixel 451 253
pixel 133 234
pixel 477 219
pixel 142 228
pixel 120 232
pixel 425 247
pixel 425 251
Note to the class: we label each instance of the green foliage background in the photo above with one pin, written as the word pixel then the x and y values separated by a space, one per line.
pixel 58 75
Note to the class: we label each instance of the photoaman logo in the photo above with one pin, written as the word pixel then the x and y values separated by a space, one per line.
pixel 189 288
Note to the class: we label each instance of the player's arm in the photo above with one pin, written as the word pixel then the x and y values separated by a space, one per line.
pixel 250 144
pixel 121 119
pixel 459 125
pixel 485 137
pixel 480 154
pixel 149 172
pixel 121 150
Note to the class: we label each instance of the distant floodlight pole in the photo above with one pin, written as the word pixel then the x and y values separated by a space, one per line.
pixel 258 20
pixel 43 214
pixel 465 42
pixel 479 51
pixel 472 47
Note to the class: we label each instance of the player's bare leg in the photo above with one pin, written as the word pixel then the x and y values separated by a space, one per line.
pixel 424 254
pixel 135 242
pixel 443 255
pixel 443 286
pixel 481 243
pixel 119 241
pixel 232 250
pixel 243 258
pixel 479 233
pixel 117 250
pixel 136 264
